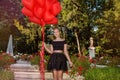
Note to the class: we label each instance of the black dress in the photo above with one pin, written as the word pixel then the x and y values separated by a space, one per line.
pixel 57 61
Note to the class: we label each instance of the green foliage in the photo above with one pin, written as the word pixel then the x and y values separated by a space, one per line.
pixel 7 15
pixel 82 15
pixel 6 75
pixel 75 19
pixel 47 57
pixel 108 32
pixel 72 16
pixel 35 60
pixel 98 49
pixel 30 36
pixel 110 73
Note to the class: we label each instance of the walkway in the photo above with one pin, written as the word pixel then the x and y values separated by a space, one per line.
pixel 25 71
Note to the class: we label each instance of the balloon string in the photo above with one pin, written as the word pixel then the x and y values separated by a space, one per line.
pixel 42 70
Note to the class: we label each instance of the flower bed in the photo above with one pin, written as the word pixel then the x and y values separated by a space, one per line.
pixel 81 65
pixel 6 60
pixel 23 57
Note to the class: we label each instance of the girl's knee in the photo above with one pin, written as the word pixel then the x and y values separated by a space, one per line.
pixel 54 74
pixel 60 75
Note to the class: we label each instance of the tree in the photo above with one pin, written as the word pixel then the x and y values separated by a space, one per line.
pixel 30 36
pixel 73 17
pixel 109 31
pixel 9 10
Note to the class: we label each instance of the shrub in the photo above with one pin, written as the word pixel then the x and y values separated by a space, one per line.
pixel 6 60
pixel 6 75
pixel 81 65
pixel 36 60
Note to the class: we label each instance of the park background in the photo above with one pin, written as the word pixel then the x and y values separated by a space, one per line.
pixel 78 20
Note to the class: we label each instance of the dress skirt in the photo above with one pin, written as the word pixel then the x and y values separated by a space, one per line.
pixel 57 61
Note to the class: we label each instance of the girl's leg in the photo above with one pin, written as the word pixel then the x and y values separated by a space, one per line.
pixel 60 75
pixel 54 75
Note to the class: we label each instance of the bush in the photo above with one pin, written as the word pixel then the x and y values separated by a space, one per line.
pixel 6 75
pixel 110 73
pixel 36 60
pixel 6 60
pixel 81 65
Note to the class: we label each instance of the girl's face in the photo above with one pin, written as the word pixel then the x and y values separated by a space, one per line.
pixel 91 39
pixel 56 33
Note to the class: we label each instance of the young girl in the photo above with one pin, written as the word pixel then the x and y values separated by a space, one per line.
pixel 59 55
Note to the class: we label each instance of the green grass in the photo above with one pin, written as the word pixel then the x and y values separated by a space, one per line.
pixel 109 73
pixel 6 75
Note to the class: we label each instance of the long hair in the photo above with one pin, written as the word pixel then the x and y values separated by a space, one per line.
pixel 58 30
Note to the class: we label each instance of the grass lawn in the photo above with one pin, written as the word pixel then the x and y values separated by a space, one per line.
pixel 108 73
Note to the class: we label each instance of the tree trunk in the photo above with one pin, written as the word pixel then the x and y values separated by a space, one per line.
pixel 78 44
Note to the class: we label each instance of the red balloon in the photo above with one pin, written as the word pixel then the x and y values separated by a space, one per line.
pixel 56 8
pixel 35 20
pixel 26 12
pixel 53 1
pixel 41 2
pixel 42 22
pixel 48 5
pixel 47 16
pixel 28 4
pixel 41 11
pixel 53 21
pixel 38 12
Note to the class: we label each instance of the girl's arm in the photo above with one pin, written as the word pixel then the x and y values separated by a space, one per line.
pixel 49 50
pixel 67 55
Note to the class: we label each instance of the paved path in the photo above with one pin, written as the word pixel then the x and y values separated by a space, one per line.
pixel 25 71
pixel 34 76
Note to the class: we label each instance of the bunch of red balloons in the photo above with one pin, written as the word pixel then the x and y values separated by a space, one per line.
pixel 41 11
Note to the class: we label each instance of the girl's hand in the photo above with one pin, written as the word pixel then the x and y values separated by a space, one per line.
pixel 71 64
